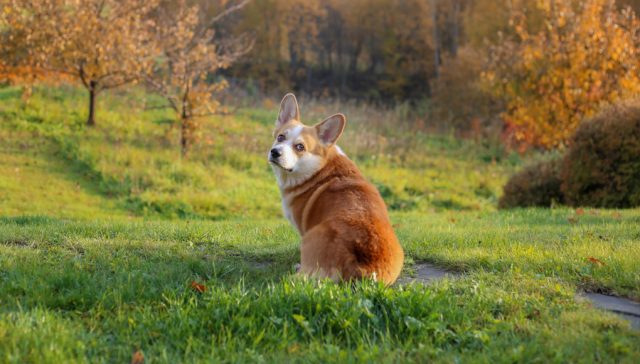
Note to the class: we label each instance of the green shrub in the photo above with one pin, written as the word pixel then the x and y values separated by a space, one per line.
pixel 602 166
pixel 536 185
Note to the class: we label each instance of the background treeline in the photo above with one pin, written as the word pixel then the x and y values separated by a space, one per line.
pixel 525 72
pixel 372 49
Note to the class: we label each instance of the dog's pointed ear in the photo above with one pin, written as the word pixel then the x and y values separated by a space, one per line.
pixel 288 110
pixel 331 128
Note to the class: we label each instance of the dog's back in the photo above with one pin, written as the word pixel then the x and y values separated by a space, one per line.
pixel 343 221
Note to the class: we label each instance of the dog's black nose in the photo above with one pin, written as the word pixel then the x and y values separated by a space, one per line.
pixel 275 153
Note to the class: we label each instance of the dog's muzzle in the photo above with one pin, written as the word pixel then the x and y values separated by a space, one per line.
pixel 275 153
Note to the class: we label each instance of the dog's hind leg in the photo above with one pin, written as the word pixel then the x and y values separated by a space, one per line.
pixel 324 255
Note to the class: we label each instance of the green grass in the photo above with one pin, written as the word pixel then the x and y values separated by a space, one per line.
pixel 102 232
pixel 102 290
pixel 133 156
pixel 34 181
pixel 551 243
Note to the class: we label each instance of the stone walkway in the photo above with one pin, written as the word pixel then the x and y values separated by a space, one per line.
pixel 629 310
pixel 427 273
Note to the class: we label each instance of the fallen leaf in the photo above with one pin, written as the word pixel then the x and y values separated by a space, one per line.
pixel 137 358
pixel 580 211
pixel 200 288
pixel 595 261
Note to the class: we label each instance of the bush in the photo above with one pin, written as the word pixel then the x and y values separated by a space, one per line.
pixel 602 166
pixel 536 185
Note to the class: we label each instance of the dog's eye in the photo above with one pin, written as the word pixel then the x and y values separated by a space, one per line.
pixel 280 138
pixel 300 147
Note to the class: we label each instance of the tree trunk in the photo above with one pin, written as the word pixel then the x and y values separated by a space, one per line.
pixel 184 135
pixel 436 38
pixel 91 120
pixel 353 63
pixel 455 29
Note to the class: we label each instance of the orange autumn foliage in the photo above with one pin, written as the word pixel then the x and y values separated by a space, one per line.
pixel 189 54
pixel 584 55
pixel 103 44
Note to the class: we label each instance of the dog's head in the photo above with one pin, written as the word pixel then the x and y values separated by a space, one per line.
pixel 299 151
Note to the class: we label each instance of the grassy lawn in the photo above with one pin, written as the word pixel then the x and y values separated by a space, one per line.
pixel 104 289
pixel 103 231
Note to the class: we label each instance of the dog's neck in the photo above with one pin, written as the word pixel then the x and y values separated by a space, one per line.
pixel 298 200
pixel 289 180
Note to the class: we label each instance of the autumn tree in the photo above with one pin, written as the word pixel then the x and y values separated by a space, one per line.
pixel 489 21
pixel 302 34
pixel 371 49
pixel 446 28
pixel 15 67
pixel 26 76
pixel 103 44
pixel 634 4
pixel 190 56
pixel 584 55
pixel 460 102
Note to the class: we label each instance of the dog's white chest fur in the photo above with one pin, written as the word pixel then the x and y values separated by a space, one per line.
pixel 306 168
pixel 286 209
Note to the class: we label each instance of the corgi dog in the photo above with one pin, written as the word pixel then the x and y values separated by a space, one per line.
pixel 342 219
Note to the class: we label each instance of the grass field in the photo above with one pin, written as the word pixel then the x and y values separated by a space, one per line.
pixel 103 231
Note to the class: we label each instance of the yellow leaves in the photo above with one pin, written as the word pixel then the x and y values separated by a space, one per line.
pixel 109 47
pixel 585 56
pixel 189 55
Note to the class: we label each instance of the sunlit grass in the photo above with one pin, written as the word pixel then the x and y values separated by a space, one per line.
pixel 102 232
pixel 106 289
pixel 133 155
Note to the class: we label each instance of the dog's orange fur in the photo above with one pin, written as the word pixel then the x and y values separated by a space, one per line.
pixel 343 221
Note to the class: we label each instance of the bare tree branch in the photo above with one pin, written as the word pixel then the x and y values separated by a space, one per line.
pixel 228 11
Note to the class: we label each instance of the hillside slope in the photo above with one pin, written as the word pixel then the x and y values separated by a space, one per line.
pixel 36 182
pixel 131 158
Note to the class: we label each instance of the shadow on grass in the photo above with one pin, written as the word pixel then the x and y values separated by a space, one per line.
pixel 28 220
pixel 72 276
